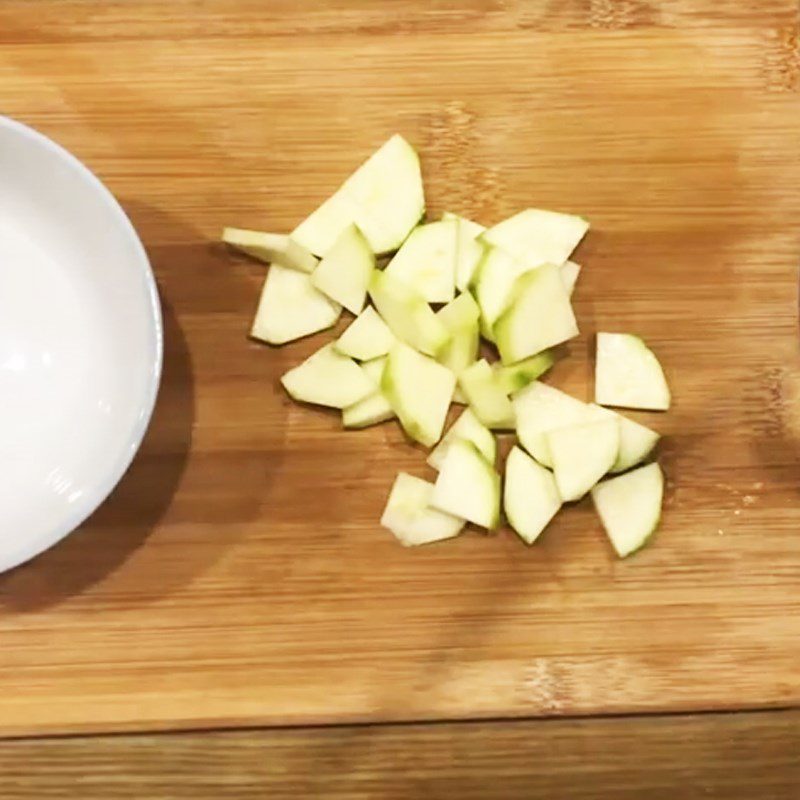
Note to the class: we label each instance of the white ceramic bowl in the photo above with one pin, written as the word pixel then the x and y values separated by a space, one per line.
pixel 80 343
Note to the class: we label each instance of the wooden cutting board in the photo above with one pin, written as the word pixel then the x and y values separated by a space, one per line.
pixel 238 575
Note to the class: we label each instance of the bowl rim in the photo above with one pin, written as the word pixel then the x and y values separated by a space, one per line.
pixel 88 505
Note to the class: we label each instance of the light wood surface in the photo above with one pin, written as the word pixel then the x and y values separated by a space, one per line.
pixel 238 576
pixel 709 757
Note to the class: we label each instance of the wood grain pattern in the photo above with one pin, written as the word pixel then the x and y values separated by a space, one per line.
pixel 713 757
pixel 238 575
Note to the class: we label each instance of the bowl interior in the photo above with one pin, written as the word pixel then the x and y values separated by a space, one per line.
pixel 80 343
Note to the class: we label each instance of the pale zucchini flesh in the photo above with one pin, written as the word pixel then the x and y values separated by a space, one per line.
pixel 535 236
pixel 328 378
pixel 473 229
pixel 582 454
pixel 374 368
pixel 570 271
pixel 515 280
pixel 469 250
pixel 272 248
pixel 345 270
pixel 486 397
pixel 426 261
pixel 407 314
pixel 461 312
pixel 419 391
pixel 319 231
pixel 459 397
pixel 388 195
pixel 470 253
pixel 462 349
pixel 460 317
pixel 469 428
pixel 410 516
pixel 367 337
pixel 374 408
pixel 468 486
pixel 539 316
pixel 628 374
pixel 383 197
pixel 629 507
pixel 530 495
pixel 290 307
pixel 516 377
pixel 493 283
pixel 540 408
pixel 636 441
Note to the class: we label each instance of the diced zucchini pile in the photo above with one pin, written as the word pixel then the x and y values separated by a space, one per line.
pixel 509 285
